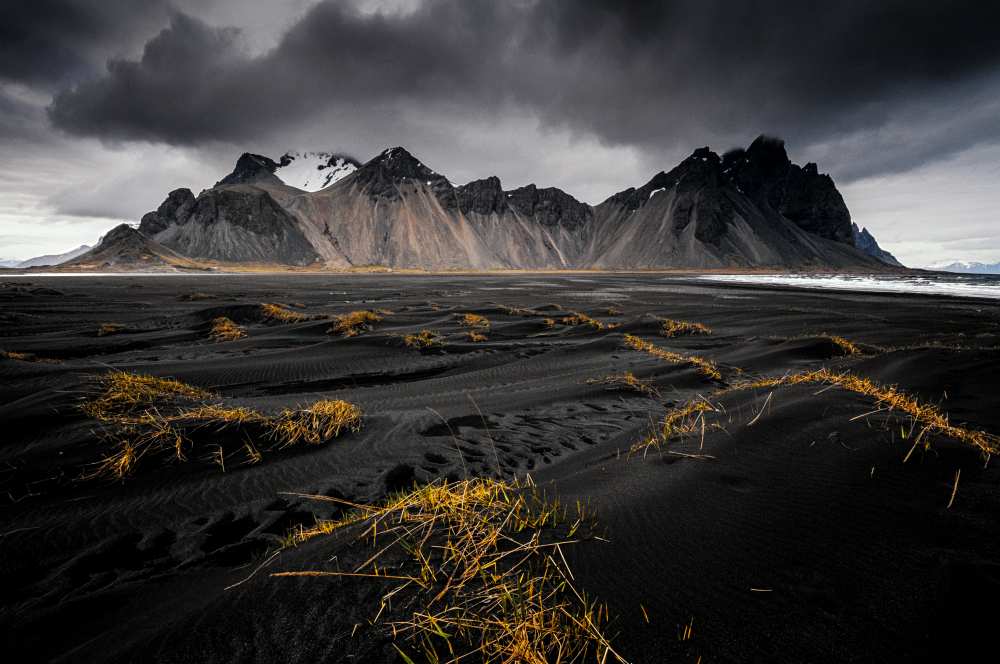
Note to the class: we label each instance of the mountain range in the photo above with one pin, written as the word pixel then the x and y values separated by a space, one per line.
pixel 969 267
pixel 747 208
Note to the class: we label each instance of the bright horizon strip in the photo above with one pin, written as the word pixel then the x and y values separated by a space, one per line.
pixel 957 285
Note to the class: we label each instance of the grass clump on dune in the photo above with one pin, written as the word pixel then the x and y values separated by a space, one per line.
pixel 354 323
pixel 107 329
pixel 18 356
pixel 147 415
pixel 474 321
pixel 705 367
pixel 225 329
pixel 889 399
pixel 127 398
pixel 577 318
pixel 475 572
pixel 422 339
pixel 677 422
pixel 678 328
pixel 476 337
pixel 316 423
pixel 845 346
pixel 517 311
pixel 25 357
pixel 626 381
pixel 280 314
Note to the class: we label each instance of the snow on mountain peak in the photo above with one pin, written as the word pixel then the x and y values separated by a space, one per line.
pixel 312 171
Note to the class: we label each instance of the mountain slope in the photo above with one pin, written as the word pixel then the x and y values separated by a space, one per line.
pixel 699 215
pixel 238 220
pixel 749 208
pixel 864 241
pixel 392 211
pixel 125 248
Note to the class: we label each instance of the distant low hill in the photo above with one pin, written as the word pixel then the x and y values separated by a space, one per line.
pixel 970 268
pixel 54 259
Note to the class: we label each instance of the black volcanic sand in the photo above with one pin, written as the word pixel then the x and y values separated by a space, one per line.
pixel 804 538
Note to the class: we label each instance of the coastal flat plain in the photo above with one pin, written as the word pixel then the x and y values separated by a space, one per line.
pixel 790 529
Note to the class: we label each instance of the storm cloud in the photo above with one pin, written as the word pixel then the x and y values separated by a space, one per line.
pixel 651 75
pixel 104 104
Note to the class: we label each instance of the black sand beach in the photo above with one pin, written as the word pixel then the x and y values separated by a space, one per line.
pixel 788 529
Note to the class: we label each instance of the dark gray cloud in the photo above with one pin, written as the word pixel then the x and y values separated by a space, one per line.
pixel 53 42
pixel 650 74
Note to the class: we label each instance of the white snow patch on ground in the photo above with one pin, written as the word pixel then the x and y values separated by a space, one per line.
pixel 655 192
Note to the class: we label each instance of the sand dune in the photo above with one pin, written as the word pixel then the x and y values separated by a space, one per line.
pixel 800 537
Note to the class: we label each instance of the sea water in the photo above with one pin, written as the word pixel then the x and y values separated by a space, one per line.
pixel 960 285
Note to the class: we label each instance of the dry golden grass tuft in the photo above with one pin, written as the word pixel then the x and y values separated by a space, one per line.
pixel 679 421
pixel 626 381
pixel 705 367
pixel 354 323
pixel 577 318
pixel 107 329
pixel 474 336
pixel 315 424
pixel 422 339
pixel 481 562
pixel 127 398
pixel 25 357
pixel 225 329
pixel 280 314
pixel 517 311
pixel 549 322
pixel 678 328
pixel 221 415
pixel 889 399
pixel 474 321
pixel 845 346
pixel 147 415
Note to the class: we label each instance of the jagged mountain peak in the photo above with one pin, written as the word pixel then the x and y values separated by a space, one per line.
pixel 122 234
pixel 400 163
pixel 383 175
pixel 551 206
pixel 764 173
pixel 866 242
pixel 250 169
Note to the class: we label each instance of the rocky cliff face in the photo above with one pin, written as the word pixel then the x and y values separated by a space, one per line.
pixel 764 173
pixel 864 241
pixel 712 212
pixel 175 210
pixel 749 208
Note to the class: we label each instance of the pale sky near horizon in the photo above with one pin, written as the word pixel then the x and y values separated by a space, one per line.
pixel 105 107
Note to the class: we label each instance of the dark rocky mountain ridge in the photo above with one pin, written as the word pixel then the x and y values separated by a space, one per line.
pixel 865 241
pixel 747 208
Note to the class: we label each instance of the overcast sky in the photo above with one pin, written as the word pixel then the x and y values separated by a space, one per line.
pixel 106 106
